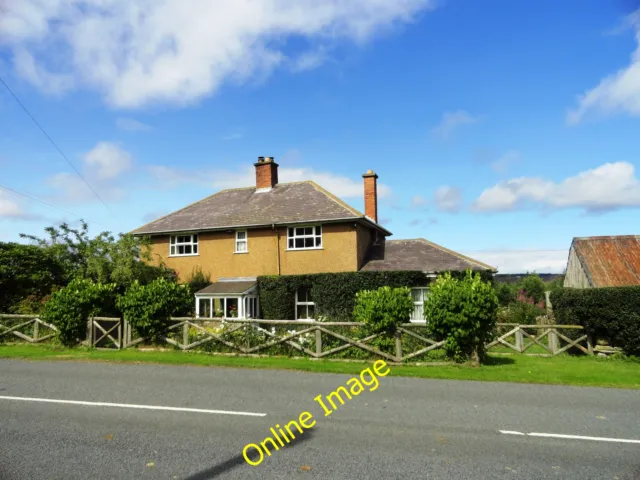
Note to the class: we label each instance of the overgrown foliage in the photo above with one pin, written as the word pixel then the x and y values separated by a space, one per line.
pixel 30 273
pixel 70 307
pixel 611 314
pixel 383 309
pixel 463 313
pixel 334 294
pixel 198 279
pixel 26 271
pixel 148 307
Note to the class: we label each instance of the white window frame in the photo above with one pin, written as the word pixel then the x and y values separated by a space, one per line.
pixel 314 235
pixel 425 292
pixel 307 304
pixel 174 244
pixel 244 240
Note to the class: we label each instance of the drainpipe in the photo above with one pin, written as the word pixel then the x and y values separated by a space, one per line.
pixel 273 226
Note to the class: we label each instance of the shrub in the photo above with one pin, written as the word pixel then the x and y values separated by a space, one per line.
pixel 70 307
pixel 383 309
pixel 533 287
pixel 198 279
pixel 611 314
pixel 462 312
pixel 148 307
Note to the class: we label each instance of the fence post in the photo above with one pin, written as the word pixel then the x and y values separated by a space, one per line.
pixel 398 347
pixel 553 341
pixel 35 330
pixel 185 334
pixel 547 302
pixel 318 342
pixel 519 339
pixel 589 344
pixel 90 332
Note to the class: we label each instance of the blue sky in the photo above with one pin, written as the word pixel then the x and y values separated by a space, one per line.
pixel 497 130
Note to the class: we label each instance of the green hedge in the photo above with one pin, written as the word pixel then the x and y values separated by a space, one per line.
pixel 334 294
pixel 612 314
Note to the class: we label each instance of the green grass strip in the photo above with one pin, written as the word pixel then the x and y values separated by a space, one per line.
pixel 561 370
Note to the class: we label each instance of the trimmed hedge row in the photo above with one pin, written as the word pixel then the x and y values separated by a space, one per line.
pixel 334 294
pixel 612 314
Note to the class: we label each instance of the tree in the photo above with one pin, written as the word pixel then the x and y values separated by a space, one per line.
pixel 534 287
pixel 102 259
pixel 198 279
pixel 463 312
pixel 26 271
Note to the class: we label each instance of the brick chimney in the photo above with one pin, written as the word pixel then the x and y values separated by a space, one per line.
pixel 266 173
pixel 371 195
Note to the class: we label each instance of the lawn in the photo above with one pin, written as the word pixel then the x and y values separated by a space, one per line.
pixel 562 370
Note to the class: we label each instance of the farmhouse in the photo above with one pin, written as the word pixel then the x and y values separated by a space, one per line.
pixel 272 228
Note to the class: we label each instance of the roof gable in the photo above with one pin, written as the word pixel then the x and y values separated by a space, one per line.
pixel 285 203
pixel 611 261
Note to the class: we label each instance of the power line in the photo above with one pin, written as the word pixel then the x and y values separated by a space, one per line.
pixel 54 144
pixel 36 199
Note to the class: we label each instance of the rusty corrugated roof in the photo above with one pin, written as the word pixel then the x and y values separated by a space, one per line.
pixel 610 261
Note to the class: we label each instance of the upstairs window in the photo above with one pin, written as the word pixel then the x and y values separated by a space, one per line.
pixel 305 307
pixel 304 238
pixel 183 245
pixel 241 241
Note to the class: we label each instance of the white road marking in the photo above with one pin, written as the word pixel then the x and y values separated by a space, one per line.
pixel 126 405
pixel 571 437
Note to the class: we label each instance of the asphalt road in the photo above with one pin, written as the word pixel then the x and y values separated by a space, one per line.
pixel 407 428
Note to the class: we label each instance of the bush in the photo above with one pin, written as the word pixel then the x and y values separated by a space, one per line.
pixel 198 279
pixel 533 287
pixel 462 312
pixel 148 307
pixel 382 310
pixel 70 307
pixel 334 294
pixel 611 314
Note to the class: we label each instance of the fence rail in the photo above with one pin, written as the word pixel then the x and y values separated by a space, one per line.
pixel 307 338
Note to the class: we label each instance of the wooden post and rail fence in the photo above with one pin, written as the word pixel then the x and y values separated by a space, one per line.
pixel 410 341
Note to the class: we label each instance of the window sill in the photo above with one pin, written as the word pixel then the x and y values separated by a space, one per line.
pixel 241 252
pixel 185 255
pixel 418 322
pixel 303 249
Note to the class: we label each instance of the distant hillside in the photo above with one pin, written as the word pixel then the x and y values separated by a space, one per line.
pixel 515 277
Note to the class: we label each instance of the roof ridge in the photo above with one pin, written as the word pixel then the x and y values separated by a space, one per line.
pixel 459 255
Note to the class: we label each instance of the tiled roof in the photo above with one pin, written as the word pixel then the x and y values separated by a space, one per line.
pixel 609 261
pixel 227 287
pixel 286 203
pixel 419 254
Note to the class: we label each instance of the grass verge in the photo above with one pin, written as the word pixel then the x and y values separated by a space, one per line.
pixel 561 370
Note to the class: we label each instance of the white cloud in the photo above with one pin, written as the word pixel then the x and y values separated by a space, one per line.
pixel 12 209
pixel 147 51
pixel 610 186
pixel 448 199
pixel 451 121
pixel 522 261
pixel 107 161
pixel 418 202
pixel 132 125
pixel 617 93
pixel 506 161
pixel 309 60
pixel 337 184
pixel 232 136
pixel 102 168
